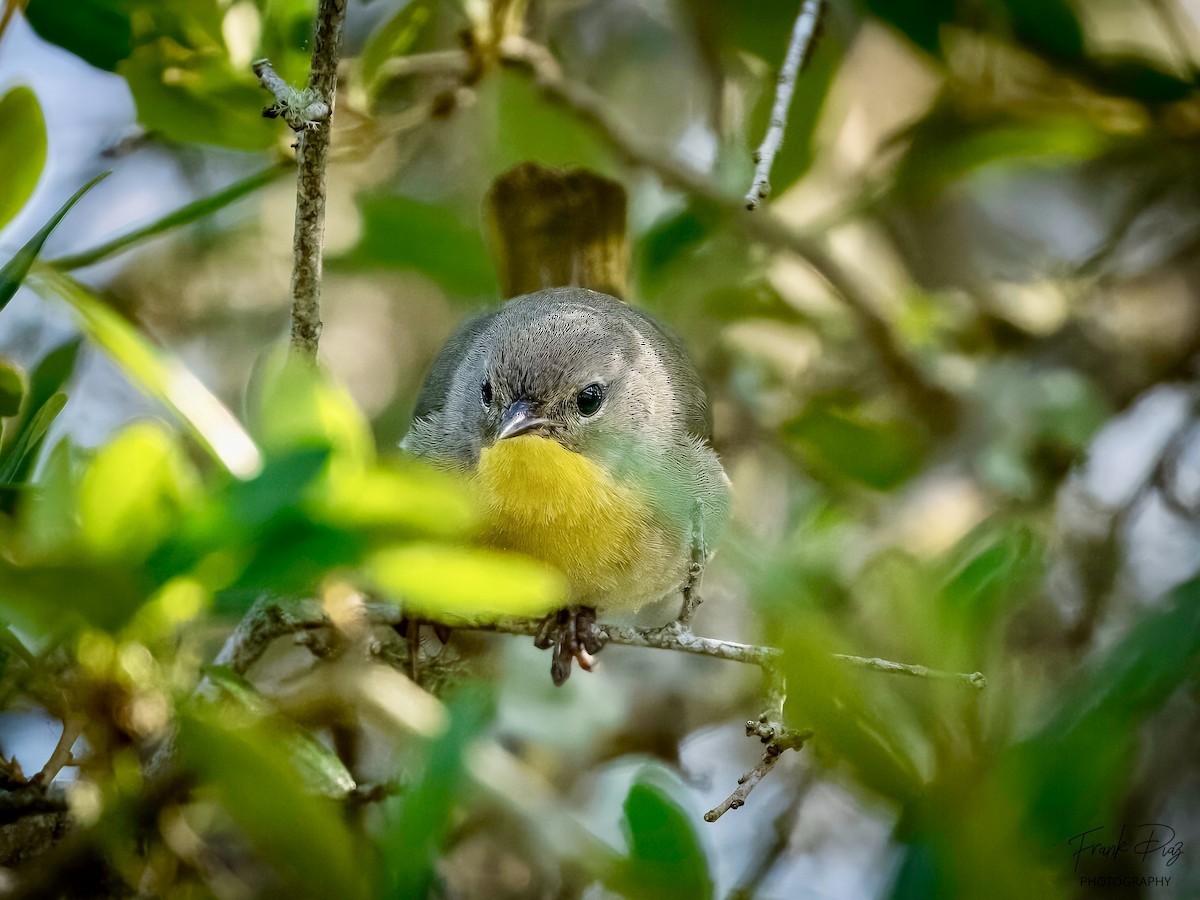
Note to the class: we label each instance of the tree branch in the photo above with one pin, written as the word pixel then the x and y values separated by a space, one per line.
pixel 929 400
pixel 799 49
pixel 310 113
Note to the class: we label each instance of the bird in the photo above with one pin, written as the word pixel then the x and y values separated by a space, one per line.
pixel 585 431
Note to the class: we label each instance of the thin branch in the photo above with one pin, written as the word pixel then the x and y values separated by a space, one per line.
pixel 790 740
pixel 312 109
pixel 799 49
pixel 72 727
pixel 933 402
pixel 976 680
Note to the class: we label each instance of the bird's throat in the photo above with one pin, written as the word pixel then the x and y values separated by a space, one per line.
pixel 551 503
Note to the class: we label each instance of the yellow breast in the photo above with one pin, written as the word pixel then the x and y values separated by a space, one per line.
pixel 544 500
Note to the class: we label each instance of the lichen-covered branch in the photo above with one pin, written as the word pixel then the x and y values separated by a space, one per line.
pixel 799 49
pixel 310 113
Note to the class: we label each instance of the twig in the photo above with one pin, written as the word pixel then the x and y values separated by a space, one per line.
pixel 977 680
pixel 303 110
pixel 72 727
pixel 313 109
pixel 931 401
pixel 790 740
pixel 798 52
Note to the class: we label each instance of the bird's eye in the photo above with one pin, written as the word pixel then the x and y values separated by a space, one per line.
pixel 589 399
pixel 485 394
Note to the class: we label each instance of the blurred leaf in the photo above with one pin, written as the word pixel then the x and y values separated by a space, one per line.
pixel 302 835
pixel 96 30
pixel 920 21
pixel 394 37
pixel 286 28
pixel 1132 76
pixel 17 268
pixel 859 720
pixel 300 406
pixel 405 233
pixel 437 581
pixel 1073 770
pixel 190 212
pixel 134 492
pixel 944 149
pixel 666 858
pixel 159 374
pixel 22 150
pixel 48 523
pixel 102 596
pixel 184 83
pixel 51 373
pixel 195 99
pixel 317 764
pixel 838 442
pixel 1048 26
pixel 419 818
pixel 18 459
pixel 669 240
pixel 411 498
pixel 12 388
pixel 529 128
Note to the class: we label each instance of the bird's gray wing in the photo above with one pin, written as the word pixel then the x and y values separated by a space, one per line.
pixel 686 380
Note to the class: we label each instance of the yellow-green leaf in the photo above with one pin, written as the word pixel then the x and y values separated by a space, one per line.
pixel 134 490
pixel 468 583
pixel 22 149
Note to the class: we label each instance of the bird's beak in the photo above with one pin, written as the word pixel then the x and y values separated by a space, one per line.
pixel 518 419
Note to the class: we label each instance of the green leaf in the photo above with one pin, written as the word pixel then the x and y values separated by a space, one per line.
pixel 317 764
pixel 301 406
pixel 394 38
pixel 666 858
pixel 1048 26
pixel 944 149
pixel 1074 769
pixel 12 388
pixel 193 96
pixel 406 233
pixel 159 374
pixel 134 492
pixel 419 819
pixel 840 443
pixel 104 597
pixel 22 150
pixel 17 268
pixel 529 128
pixel 920 21
pixel 440 581
pixel 302 835
pixel 96 30
pixel 19 457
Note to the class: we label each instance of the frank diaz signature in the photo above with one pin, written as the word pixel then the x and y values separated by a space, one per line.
pixel 1156 839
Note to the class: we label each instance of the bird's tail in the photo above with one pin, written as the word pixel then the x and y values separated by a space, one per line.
pixel 558 228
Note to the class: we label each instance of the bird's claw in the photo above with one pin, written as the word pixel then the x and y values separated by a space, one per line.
pixel 573 635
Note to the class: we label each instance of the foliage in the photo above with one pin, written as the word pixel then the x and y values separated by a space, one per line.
pixel 870 525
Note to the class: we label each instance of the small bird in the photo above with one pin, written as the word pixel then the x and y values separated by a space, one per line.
pixel 586 432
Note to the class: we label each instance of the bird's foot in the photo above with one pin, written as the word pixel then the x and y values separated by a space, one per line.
pixel 410 630
pixel 571 634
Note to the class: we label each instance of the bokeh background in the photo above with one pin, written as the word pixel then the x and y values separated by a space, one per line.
pixel 1011 186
